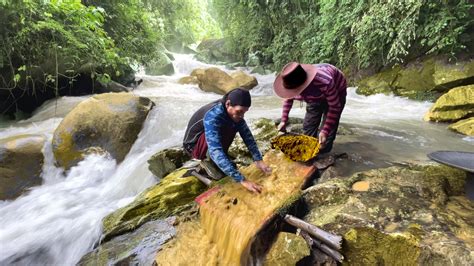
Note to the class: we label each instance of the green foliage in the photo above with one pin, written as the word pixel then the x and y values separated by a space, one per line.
pixel 359 34
pixel 45 43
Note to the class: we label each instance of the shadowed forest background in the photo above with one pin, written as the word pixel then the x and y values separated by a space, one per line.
pixel 51 48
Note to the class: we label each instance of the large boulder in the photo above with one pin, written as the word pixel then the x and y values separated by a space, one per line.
pixel 21 161
pixel 167 198
pixel 135 248
pixel 288 249
pixel 407 215
pixel 458 103
pixel 263 129
pixel 166 161
pixel 215 80
pixel 465 126
pixel 244 80
pixel 421 80
pixel 160 66
pixel 103 123
pixel 215 50
pixel 218 81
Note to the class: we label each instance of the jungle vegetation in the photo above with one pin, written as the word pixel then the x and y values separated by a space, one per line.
pixel 359 34
pixel 49 47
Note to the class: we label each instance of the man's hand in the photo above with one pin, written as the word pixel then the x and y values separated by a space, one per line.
pixel 263 167
pixel 322 139
pixel 251 186
pixel 282 127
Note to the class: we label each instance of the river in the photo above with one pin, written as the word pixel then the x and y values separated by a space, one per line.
pixel 58 222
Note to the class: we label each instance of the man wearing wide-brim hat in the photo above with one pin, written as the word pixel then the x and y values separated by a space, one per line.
pixel 324 88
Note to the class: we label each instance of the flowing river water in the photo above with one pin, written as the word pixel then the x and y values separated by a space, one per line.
pixel 58 222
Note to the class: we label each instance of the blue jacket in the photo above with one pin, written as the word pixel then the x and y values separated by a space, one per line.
pixel 216 118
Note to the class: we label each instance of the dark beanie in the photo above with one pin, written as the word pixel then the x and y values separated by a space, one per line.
pixel 240 97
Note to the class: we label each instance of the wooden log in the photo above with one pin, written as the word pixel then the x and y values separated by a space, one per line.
pixel 333 241
pixel 327 250
pixel 202 178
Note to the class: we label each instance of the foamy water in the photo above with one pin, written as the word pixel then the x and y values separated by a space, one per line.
pixel 58 222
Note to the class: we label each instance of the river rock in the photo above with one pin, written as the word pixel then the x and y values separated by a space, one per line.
pixel 215 50
pixel 288 249
pixel 168 197
pixel 263 129
pixel 103 123
pixel 135 248
pixel 456 104
pixel 161 66
pixel 407 215
pixel 244 80
pixel 21 161
pixel 421 80
pixel 166 161
pixel 465 126
pixel 218 81
pixel 215 80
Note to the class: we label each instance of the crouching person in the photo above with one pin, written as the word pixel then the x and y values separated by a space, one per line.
pixel 212 130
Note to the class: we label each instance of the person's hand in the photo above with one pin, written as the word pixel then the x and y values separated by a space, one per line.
pixel 262 166
pixel 251 186
pixel 282 127
pixel 322 139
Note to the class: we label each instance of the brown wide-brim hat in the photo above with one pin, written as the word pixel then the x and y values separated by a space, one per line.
pixel 293 79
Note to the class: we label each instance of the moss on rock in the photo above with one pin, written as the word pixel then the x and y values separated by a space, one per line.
pixel 408 214
pixel 452 106
pixel 21 162
pixel 168 197
pixel 368 246
pixel 465 126
pixel 103 123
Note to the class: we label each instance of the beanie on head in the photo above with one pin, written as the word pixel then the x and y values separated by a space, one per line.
pixel 240 97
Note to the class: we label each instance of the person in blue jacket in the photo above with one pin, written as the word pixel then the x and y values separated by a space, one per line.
pixel 212 129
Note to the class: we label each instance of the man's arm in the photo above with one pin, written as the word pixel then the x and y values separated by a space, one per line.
pixel 249 140
pixel 214 143
pixel 287 104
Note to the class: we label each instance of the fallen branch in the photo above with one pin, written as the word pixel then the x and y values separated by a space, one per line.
pixel 202 178
pixel 331 240
pixel 318 256
pixel 319 245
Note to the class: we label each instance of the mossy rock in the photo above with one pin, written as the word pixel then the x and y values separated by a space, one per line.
pixel 21 162
pixel 161 66
pixel 403 214
pixel 167 198
pixel 288 249
pixel 465 126
pixel 447 76
pixel 214 80
pixel 263 130
pixel 368 246
pixel 456 104
pixel 244 80
pixel 378 83
pixel 166 161
pixel 134 248
pixel 105 123
pixel 423 79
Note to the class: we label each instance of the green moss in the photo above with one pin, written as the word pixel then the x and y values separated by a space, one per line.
pixel 465 126
pixel 368 246
pixel 378 83
pixel 455 179
pixel 169 197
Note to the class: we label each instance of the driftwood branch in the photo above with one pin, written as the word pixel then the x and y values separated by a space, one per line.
pixel 333 241
pixel 319 257
pixel 319 245
pixel 202 178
